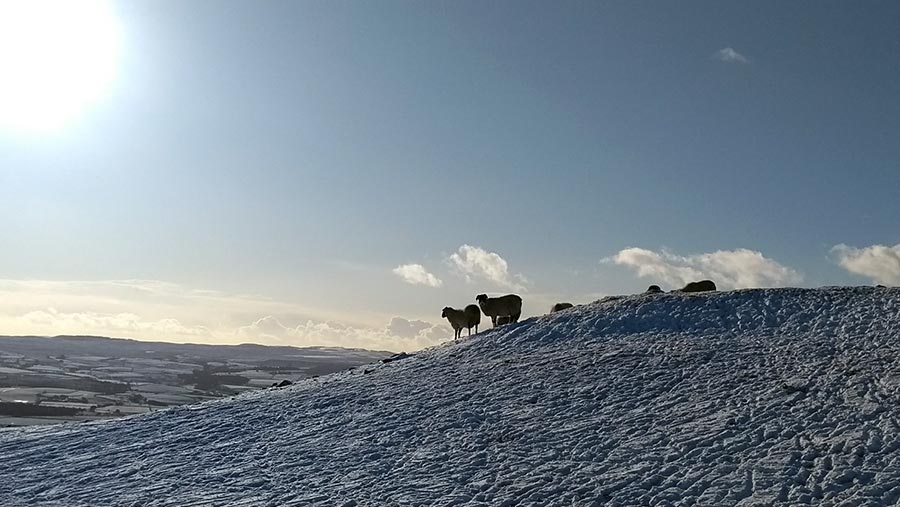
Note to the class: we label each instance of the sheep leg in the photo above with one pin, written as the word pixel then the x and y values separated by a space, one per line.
pixel 493 321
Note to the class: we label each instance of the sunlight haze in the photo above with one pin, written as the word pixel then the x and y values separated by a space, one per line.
pixel 58 58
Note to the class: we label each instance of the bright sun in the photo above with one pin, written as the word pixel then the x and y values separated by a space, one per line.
pixel 57 57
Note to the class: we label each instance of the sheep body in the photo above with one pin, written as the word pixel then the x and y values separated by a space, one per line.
pixel 457 318
pixel 558 307
pixel 473 318
pixel 701 286
pixel 509 305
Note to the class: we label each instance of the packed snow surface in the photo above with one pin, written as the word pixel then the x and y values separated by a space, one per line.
pixel 753 397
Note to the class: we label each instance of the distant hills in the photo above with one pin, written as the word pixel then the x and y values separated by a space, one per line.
pixel 126 347
pixel 46 380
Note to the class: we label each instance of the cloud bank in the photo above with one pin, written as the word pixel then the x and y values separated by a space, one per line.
pixel 399 335
pixel 416 274
pixel 729 55
pixel 162 311
pixel 476 263
pixel 730 269
pixel 879 263
pixel 94 323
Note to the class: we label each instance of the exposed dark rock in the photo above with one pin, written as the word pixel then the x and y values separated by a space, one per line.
pixel 558 307
pixel 396 357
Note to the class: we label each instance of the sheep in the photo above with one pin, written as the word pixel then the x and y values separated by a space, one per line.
pixel 558 307
pixel 701 286
pixel 653 289
pixel 473 318
pixel 457 318
pixel 508 305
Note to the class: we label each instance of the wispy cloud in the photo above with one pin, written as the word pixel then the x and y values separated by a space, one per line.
pixel 730 269
pixel 476 263
pixel 416 274
pixel 879 263
pixel 729 55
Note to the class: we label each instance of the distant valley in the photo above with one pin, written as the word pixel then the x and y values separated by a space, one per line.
pixel 48 380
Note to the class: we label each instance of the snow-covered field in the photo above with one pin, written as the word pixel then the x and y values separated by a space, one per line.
pixel 754 397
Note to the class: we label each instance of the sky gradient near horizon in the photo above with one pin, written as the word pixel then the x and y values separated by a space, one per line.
pixel 335 173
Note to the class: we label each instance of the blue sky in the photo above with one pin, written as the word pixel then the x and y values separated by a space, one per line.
pixel 296 154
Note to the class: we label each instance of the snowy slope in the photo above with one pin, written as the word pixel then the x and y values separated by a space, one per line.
pixel 751 397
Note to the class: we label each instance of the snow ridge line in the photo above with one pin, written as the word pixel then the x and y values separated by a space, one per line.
pixel 831 311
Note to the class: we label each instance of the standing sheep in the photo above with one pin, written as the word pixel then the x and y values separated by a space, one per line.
pixel 558 307
pixel 457 318
pixel 508 305
pixel 473 318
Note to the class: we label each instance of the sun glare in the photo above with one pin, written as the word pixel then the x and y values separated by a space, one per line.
pixel 57 57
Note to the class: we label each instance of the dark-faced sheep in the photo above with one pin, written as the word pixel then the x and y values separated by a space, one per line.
pixel 457 318
pixel 473 318
pixel 701 286
pixel 558 307
pixel 509 305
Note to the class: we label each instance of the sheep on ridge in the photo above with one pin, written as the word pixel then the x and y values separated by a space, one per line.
pixel 558 307
pixel 457 318
pixel 473 318
pixel 509 305
pixel 701 286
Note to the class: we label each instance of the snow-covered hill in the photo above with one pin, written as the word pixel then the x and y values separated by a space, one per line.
pixel 751 397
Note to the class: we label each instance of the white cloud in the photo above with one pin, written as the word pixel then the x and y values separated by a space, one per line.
pixel 729 269
pixel 729 55
pixel 403 328
pixel 879 263
pixel 477 263
pixel 416 274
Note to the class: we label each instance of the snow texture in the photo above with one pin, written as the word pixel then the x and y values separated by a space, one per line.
pixel 752 397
